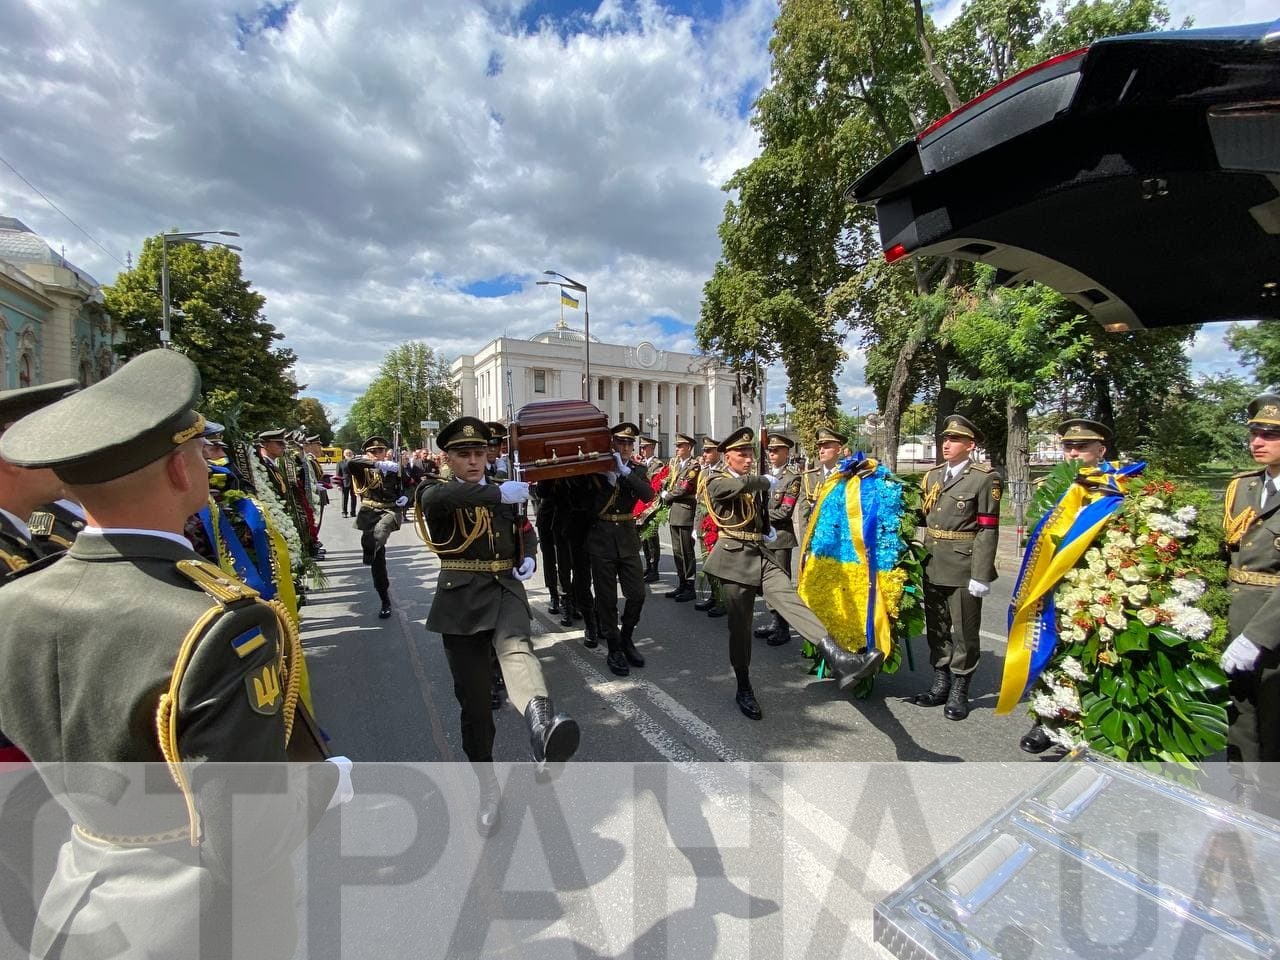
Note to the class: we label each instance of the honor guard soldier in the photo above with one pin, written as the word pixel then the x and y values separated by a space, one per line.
pixel 1085 442
pixel 132 649
pixel 681 494
pixel 830 444
pixel 378 484
pixel 962 524
pixel 713 604
pixel 652 546
pixel 1251 524
pixel 22 490
pixel 487 547
pixel 271 447
pixel 613 543
pixel 782 504
pixel 496 456
pixel 745 565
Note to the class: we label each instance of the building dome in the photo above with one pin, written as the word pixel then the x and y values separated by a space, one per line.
pixel 19 244
pixel 562 333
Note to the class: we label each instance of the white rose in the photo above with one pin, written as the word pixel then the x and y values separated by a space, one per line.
pixel 1147 616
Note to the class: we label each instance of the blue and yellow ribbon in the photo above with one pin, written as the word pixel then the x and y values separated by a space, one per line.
pixel 1055 546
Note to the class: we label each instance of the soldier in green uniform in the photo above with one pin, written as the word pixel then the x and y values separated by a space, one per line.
pixel 496 456
pixel 961 526
pixel 830 444
pixel 745 565
pixel 713 603
pixel 377 482
pixel 1251 524
pixel 783 498
pixel 681 494
pixel 487 547
pixel 1085 443
pixel 652 546
pixel 613 544
pixel 130 648
pixel 21 490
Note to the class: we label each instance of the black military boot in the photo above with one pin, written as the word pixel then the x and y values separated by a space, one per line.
pixel 936 695
pixel 629 648
pixel 781 631
pixel 1035 740
pixel 554 606
pixel 488 810
pixel 651 572
pixel 746 700
pixel 552 736
pixel 957 707
pixel 702 606
pixel 849 667
pixel 569 612
pixel 616 661
pixel 717 610
pixel 589 638
pixel 763 633
pixel 384 612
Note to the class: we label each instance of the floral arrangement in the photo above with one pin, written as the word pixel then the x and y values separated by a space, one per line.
pixel 659 516
pixel 1141 620
pixel 708 533
pixel 862 576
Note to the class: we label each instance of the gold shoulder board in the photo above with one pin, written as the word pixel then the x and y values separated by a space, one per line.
pixel 215 581
pixel 984 467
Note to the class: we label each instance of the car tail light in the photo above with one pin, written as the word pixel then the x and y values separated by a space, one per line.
pixel 895 253
pixel 1016 78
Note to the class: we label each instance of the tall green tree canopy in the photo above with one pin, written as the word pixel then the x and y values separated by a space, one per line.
pixel 1260 347
pixel 216 319
pixel 309 413
pixel 412 385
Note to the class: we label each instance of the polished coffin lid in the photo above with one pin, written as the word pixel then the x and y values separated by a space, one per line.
pixel 553 439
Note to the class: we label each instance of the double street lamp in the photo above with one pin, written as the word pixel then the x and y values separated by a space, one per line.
pixel 568 283
pixel 181 238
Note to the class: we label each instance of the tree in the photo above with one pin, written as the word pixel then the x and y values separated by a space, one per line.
pixel 309 413
pixel 1260 347
pixel 412 385
pixel 216 321
pixel 1203 424
pixel 349 436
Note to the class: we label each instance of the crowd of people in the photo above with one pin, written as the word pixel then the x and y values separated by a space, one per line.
pixel 127 518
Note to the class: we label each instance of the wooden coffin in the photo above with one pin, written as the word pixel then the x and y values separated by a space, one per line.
pixel 553 439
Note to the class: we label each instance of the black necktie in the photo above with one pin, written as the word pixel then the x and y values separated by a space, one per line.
pixel 1268 491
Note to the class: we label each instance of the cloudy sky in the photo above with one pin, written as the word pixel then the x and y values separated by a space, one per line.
pixel 399 169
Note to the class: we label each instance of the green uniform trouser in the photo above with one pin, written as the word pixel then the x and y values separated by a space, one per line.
pixel 471 665
pixel 713 583
pixel 780 594
pixel 607 575
pixel 682 552
pixel 944 608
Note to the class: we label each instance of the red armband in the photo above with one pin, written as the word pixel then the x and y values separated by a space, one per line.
pixel 788 501
pixel 988 520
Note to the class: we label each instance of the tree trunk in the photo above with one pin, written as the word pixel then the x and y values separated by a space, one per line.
pixel 948 399
pixel 1018 460
pixel 1106 410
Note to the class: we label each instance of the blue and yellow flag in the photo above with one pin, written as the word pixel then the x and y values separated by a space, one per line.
pixel 567 300
pixel 1055 546
pixel 851 550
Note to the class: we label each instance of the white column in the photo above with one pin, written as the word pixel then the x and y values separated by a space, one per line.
pixel 668 417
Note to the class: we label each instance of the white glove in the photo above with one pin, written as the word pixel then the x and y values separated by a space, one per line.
pixel 402 501
pixel 622 467
pixel 514 491
pixel 665 496
pixel 773 481
pixel 525 570
pixel 979 589
pixel 612 477
pixel 344 791
pixel 771 535
pixel 387 466
pixel 1241 655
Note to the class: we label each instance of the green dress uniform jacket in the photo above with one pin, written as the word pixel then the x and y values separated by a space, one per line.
pixel 962 517
pixel 613 532
pixel 682 489
pixel 473 577
pixel 783 498
pixel 88 647
pixel 17 549
pixel 1253 581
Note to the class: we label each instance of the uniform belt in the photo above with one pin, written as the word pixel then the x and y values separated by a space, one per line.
pixel 377 504
pixel 148 840
pixel 616 517
pixel 478 566
pixel 740 535
pixel 954 534
pixel 1253 578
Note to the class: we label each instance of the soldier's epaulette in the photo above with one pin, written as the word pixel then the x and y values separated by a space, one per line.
pixel 40 523
pixel 1255 472
pixel 983 467
pixel 216 582
pixel 8 576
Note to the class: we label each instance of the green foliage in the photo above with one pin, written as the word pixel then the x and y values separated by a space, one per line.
pixel 1202 425
pixel 217 321
pixel 309 413
pixel 412 385
pixel 1259 345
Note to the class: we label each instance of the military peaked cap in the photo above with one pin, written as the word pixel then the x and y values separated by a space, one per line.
pixel 649 440
pixel 625 431
pixel 1080 429
pixel 139 414
pixel 463 432
pixel 742 437
pixel 710 443
pixel 1264 411
pixel 374 442
pixel 958 426
pixel 779 440
pixel 827 435
pixel 314 438
pixel 16 404
pixel 279 434
pixel 684 438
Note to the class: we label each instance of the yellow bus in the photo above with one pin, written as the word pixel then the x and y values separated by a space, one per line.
pixel 330 454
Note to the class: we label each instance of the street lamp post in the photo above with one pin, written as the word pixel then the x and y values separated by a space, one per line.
pixel 178 238
pixel 586 324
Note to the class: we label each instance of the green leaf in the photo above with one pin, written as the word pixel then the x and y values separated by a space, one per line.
pixel 1135 637
pixel 1113 727
pixel 1169 638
